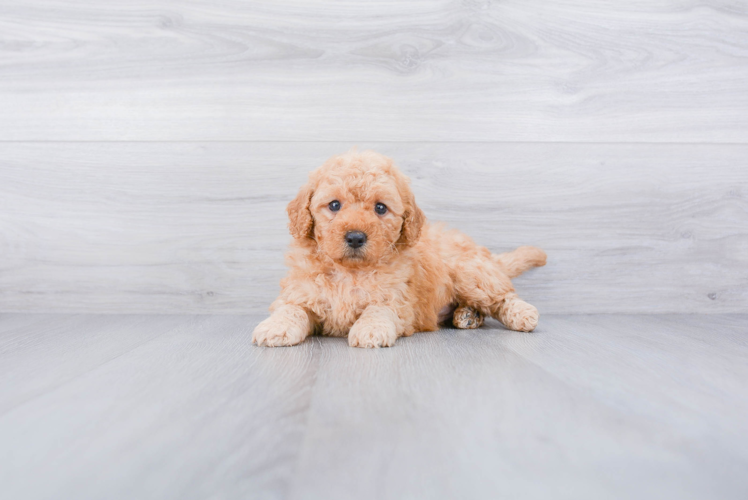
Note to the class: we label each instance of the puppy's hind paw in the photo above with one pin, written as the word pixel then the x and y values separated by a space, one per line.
pixel 518 315
pixel 467 318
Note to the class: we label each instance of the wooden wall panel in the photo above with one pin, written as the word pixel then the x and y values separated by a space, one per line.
pixel 424 70
pixel 201 227
pixel 147 149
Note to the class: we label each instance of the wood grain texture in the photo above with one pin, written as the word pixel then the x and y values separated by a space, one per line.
pixel 574 70
pixel 185 228
pixel 586 407
pixel 195 412
pixel 96 341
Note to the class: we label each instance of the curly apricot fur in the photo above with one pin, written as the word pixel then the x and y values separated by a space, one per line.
pixel 399 281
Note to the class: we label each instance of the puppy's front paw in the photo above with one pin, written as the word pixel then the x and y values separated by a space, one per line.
pixel 278 331
pixel 372 334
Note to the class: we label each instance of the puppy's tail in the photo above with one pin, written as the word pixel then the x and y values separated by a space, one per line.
pixel 519 260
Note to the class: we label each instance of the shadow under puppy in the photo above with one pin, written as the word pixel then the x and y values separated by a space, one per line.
pixel 365 263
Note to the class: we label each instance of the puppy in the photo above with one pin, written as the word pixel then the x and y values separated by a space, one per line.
pixel 364 263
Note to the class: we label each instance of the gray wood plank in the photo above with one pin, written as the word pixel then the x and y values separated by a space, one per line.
pixel 668 71
pixel 81 344
pixel 194 413
pixel 586 407
pixel 200 228
pixel 10 322
pixel 688 367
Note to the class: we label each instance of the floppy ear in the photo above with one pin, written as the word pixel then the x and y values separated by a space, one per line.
pixel 413 220
pixel 301 223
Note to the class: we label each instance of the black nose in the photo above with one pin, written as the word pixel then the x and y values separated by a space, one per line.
pixel 355 239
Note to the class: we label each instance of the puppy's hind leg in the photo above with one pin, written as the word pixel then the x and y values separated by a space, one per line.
pixel 516 314
pixel 481 284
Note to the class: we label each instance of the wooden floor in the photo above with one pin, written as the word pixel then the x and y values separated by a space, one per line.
pixel 588 406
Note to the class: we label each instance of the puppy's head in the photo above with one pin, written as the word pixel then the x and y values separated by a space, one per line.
pixel 356 208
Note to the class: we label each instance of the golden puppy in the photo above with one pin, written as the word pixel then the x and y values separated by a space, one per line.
pixel 364 263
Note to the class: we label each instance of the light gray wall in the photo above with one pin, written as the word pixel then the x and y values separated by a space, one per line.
pixel 148 149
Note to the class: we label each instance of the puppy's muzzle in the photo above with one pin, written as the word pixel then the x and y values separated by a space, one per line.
pixel 355 239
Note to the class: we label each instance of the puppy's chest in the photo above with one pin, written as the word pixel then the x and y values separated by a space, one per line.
pixel 341 297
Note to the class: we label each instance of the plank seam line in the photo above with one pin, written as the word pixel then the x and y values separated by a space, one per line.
pixel 373 141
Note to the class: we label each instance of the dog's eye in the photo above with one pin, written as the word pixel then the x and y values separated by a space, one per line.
pixel 334 205
pixel 380 208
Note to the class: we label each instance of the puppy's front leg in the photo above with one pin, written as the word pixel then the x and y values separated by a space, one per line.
pixel 288 325
pixel 376 327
